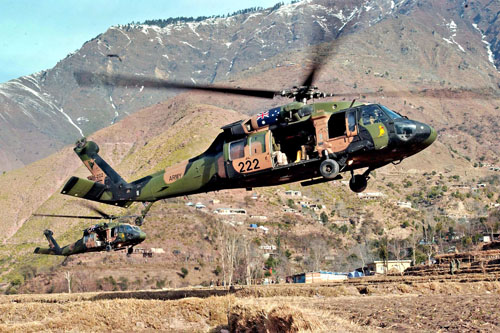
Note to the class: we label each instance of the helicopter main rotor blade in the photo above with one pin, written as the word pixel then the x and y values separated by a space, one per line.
pixel 449 93
pixel 321 54
pixel 98 211
pixel 84 78
pixel 72 216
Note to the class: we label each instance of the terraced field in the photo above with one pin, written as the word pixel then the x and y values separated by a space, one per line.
pixel 439 303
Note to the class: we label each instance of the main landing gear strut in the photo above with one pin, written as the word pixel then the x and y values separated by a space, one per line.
pixel 358 183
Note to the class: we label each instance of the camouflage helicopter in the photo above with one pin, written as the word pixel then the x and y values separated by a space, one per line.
pixel 104 236
pixel 311 143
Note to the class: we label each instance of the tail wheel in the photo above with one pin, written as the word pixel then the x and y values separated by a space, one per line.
pixel 81 143
pixel 329 169
pixel 358 183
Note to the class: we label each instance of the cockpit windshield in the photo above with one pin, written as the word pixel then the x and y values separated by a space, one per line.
pixel 391 113
pixel 371 114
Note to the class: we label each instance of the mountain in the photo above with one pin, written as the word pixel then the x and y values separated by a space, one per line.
pixel 42 112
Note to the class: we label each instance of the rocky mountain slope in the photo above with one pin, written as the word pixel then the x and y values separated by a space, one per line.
pixel 179 129
pixel 42 112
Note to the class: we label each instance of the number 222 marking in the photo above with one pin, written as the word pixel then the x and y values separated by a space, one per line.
pixel 248 165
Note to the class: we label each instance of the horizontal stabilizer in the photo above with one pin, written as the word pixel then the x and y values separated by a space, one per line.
pixel 42 250
pixel 90 190
pixel 84 188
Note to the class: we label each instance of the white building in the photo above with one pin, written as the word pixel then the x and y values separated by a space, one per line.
pixel 259 217
pixel 370 195
pixel 404 204
pixel 293 193
pixel 230 211
pixel 268 247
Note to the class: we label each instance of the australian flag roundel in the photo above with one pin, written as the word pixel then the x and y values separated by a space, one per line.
pixel 268 117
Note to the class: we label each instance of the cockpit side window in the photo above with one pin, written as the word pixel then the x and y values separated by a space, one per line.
pixel 237 149
pixel 371 114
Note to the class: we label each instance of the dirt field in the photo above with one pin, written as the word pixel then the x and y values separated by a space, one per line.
pixel 446 303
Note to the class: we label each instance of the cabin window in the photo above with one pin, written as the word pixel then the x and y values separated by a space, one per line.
pixel 372 114
pixel 237 149
pixel 351 121
pixel 336 125
pixel 257 144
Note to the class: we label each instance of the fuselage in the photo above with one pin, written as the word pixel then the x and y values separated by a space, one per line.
pixel 245 154
pixel 97 238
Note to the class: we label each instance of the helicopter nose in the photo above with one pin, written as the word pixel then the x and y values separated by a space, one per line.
pixel 142 236
pixel 431 137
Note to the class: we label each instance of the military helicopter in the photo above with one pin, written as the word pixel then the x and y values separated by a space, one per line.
pixel 312 143
pixel 104 236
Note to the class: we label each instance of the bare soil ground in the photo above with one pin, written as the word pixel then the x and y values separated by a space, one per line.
pixel 394 304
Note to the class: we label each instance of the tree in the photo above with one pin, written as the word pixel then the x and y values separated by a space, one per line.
pixel 228 250
pixel 492 223
pixel 251 260
pixel 67 275
pixel 383 251
pixel 413 242
pixel 317 250
pixel 397 247
pixel 324 217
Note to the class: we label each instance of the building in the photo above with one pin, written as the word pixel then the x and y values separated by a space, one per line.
pixel 259 217
pixel 404 204
pixel 230 211
pixel 381 267
pixel 293 193
pixel 314 277
pixel 371 195
pixel 263 229
pixel 268 247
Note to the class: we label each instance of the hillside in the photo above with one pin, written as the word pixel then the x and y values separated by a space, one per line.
pixel 179 129
pixel 389 54
pixel 42 112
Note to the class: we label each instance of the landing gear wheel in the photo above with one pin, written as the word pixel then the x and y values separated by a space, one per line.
pixel 108 247
pixel 358 183
pixel 329 169
pixel 138 221
pixel 130 250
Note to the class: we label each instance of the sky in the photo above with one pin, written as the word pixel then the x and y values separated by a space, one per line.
pixel 36 34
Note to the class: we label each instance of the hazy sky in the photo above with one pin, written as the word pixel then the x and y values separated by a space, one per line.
pixel 36 34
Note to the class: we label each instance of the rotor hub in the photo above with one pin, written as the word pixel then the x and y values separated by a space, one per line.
pixel 304 93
